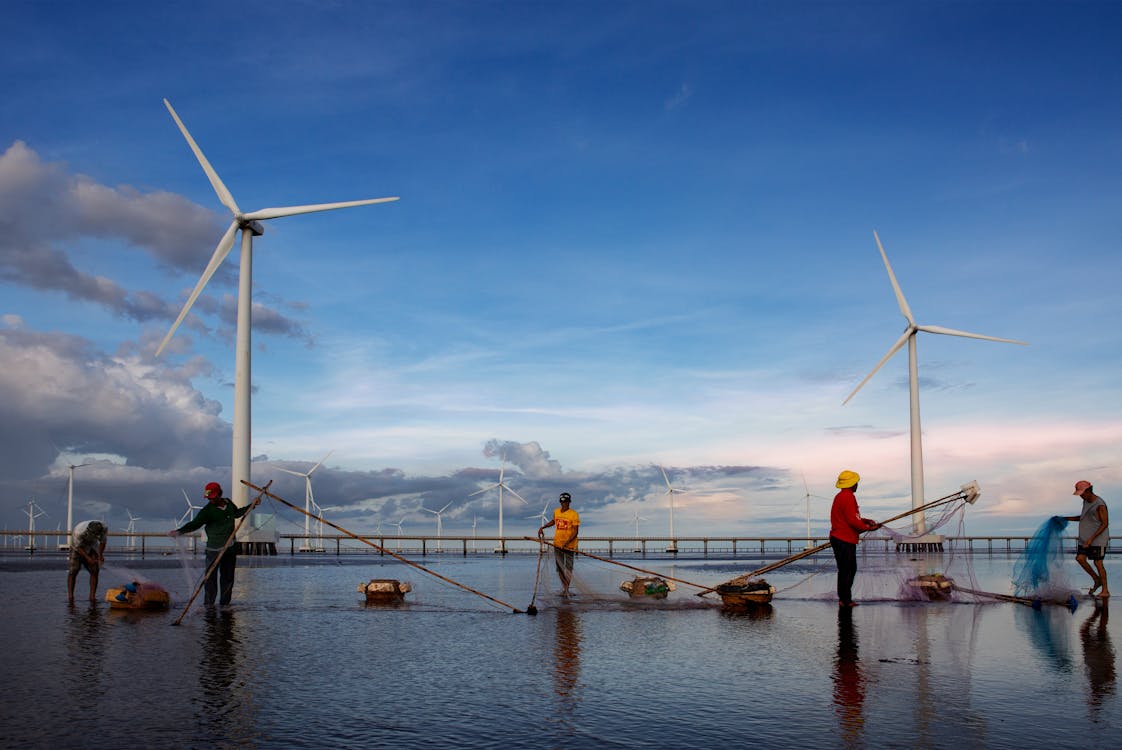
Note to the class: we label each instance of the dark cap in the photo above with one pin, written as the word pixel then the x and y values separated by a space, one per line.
pixel 566 497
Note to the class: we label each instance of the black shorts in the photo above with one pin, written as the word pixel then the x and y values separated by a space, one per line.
pixel 1091 553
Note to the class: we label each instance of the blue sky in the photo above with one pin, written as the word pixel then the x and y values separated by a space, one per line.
pixel 629 234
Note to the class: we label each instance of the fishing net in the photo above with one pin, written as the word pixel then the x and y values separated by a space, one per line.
pixel 1041 561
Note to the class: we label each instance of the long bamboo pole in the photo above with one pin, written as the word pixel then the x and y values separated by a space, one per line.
pixel 210 571
pixel 1071 602
pixel 969 493
pixel 383 550
pixel 617 562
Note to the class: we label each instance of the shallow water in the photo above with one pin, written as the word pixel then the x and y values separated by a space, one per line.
pixel 301 661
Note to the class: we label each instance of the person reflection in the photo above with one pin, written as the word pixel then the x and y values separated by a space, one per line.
pixel 86 644
pixel 1098 657
pixel 566 666
pixel 225 694
pixel 849 681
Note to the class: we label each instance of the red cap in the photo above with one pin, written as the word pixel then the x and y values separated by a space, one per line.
pixel 213 490
pixel 1081 486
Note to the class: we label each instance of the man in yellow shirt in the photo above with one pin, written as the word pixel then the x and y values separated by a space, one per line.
pixel 567 524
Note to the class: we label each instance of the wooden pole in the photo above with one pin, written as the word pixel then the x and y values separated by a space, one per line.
pixel 960 495
pixel 381 549
pixel 210 571
pixel 622 565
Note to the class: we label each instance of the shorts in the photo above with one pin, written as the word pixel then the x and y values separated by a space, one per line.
pixel 1091 553
pixel 563 559
pixel 77 562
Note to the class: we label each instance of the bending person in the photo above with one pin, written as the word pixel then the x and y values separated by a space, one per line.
pixel 846 526
pixel 87 550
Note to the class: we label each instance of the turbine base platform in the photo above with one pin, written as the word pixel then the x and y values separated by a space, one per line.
pixel 925 543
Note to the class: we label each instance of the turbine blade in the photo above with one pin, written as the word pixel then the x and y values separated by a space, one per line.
pixel 215 180
pixel 485 489
pixel 664 477
pixel 445 507
pixel 290 471
pixel 320 462
pixel 276 213
pixel 966 334
pixel 907 311
pixel 508 489
pixel 895 348
pixel 220 254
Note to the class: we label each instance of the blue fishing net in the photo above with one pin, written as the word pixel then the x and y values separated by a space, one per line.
pixel 1042 556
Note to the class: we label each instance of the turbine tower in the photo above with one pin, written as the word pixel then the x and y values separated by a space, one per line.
pixel 919 524
pixel 670 492
pixel 249 225
pixel 70 501
pixel 501 549
pixel 309 499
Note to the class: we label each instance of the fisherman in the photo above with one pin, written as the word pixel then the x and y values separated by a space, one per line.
pixel 217 516
pixel 1094 537
pixel 87 550
pixel 846 526
pixel 567 523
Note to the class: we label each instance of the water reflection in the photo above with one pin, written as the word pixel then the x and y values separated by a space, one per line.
pixel 1098 658
pixel 227 709
pixel 86 645
pixel 566 668
pixel 1048 631
pixel 849 681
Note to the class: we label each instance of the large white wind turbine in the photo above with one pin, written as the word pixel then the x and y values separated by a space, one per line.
pixel 501 549
pixel 439 524
pixel 909 337
pixel 309 499
pixel 187 514
pixel 249 224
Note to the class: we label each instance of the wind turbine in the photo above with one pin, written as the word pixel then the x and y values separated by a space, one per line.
pixel 190 507
pixel 70 501
pixel 501 549
pixel 249 225
pixel 474 521
pixel 542 516
pixel 398 525
pixel 131 530
pixel 439 526
pixel 638 518
pixel 670 492
pixel 31 516
pixel 319 527
pixel 309 499
pixel 919 526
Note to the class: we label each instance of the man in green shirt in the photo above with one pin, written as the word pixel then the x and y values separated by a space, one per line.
pixel 217 519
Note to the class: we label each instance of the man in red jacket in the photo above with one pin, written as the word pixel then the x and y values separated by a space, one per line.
pixel 846 526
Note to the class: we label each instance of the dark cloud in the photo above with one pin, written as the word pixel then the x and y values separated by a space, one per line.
pixel 46 211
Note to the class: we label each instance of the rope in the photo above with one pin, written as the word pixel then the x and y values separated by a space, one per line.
pixel 616 562
pixel 381 549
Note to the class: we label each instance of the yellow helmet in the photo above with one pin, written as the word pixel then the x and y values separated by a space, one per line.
pixel 848 479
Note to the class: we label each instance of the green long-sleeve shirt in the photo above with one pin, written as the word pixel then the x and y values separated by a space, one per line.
pixel 218 522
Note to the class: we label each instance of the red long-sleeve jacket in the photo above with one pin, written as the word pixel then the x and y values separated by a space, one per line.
pixel 846 522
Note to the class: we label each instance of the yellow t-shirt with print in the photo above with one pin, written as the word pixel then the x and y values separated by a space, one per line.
pixel 565 522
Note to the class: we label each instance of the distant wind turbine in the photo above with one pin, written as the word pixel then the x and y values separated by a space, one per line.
pixel 670 492
pixel 909 337
pixel 398 525
pixel 190 507
pixel 31 516
pixel 501 549
pixel 131 530
pixel 638 518
pixel 543 516
pixel 249 225
pixel 309 499
pixel 439 525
